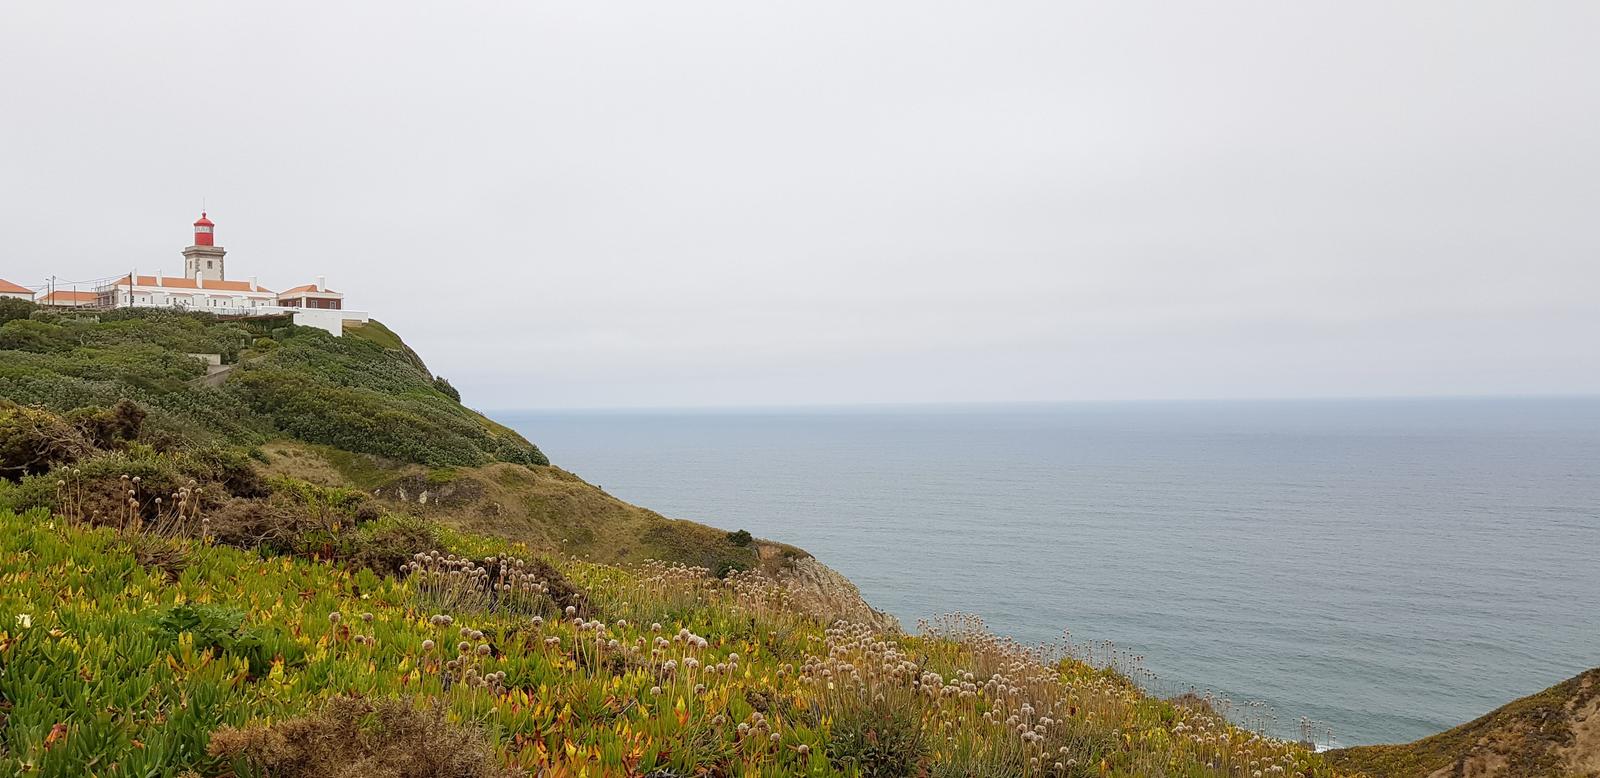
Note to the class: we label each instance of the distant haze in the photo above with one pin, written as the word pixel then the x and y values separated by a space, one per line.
pixel 734 203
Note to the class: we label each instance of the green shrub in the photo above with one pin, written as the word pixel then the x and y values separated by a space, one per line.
pixel 30 335
pixel 334 503
pixel 33 440
pixel 386 543
pixel 427 430
pixel 698 545
pixel 354 737
pixel 444 387
pixel 13 308
pixel 216 628
pixel 231 468
pixel 276 526
pixel 100 482
pixel 111 427
pixel 350 392
pixel 296 517
pixel 877 739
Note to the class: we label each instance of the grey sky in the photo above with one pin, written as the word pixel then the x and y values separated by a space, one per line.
pixel 712 203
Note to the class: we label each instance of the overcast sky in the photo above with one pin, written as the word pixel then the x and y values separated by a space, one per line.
pixel 590 204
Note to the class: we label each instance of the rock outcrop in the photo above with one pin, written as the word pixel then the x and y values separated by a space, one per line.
pixel 1554 734
pixel 824 592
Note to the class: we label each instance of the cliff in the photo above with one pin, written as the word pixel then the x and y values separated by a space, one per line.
pixel 294 405
pixel 821 591
pixel 1552 734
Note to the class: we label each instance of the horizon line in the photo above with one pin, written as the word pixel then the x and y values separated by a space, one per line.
pixel 1022 404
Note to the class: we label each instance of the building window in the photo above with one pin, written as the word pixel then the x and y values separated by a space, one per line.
pixel 208 264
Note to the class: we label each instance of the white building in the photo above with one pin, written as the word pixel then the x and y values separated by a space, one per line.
pixel 8 289
pixel 316 295
pixel 204 286
pixel 199 294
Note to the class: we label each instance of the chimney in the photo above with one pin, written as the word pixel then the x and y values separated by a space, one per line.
pixel 160 276
pixel 322 283
pixel 253 285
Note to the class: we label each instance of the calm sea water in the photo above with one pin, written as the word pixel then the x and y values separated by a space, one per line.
pixel 1388 568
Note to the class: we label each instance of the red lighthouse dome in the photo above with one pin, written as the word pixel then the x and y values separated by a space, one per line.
pixel 203 235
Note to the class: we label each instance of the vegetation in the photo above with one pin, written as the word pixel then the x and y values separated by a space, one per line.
pixel 322 564
pixel 445 388
pixel 352 737
pixel 244 663
pixel 1551 734
pixel 544 507
pixel 360 413
pixel 364 393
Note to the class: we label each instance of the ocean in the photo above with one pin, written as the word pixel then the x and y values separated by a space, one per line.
pixel 1386 568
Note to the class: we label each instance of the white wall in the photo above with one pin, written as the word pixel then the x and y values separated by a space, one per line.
pixel 329 321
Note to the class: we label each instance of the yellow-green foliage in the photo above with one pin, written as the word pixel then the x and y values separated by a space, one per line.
pixel 377 333
pixel 117 659
pixel 366 392
pixel 545 507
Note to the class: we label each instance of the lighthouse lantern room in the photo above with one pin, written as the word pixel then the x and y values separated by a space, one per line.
pixel 202 230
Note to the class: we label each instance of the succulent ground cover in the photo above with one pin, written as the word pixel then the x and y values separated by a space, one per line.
pixel 128 652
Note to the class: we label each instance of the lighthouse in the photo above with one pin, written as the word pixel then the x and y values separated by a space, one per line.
pixel 203 260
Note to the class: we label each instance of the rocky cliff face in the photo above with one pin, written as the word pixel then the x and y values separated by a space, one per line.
pixel 1554 734
pixel 824 592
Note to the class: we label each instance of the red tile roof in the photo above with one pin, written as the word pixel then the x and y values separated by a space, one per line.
pixel 61 297
pixel 306 288
pixel 182 282
pixel 7 286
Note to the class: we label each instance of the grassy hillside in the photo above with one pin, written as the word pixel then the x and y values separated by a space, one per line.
pixel 119 391
pixel 545 507
pixel 363 393
pixel 318 563
pixel 1552 734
